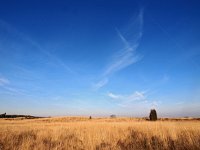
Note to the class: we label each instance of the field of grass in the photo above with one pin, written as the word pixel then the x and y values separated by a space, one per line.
pixel 98 133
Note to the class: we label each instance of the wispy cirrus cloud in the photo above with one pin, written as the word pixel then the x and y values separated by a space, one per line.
pixel 135 96
pixel 137 99
pixel 8 88
pixel 51 57
pixel 4 81
pixel 127 56
pixel 101 83
pixel 130 100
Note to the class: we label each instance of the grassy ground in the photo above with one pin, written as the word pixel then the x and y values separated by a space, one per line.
pixel 98 133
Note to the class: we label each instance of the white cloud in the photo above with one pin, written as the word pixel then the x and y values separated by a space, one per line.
pixel 4 81
pixel 136 96
pixel 111 95
pixel 101 83
pixel 137 99
pixel 127 56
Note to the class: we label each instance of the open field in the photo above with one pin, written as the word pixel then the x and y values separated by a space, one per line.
pixel 98 133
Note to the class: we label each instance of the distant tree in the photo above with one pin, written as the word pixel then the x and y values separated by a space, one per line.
pixel 153 115
pixel 90 117
pixel 112 116
pixel 3 115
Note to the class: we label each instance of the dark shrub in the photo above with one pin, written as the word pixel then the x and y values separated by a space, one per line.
pixel 113 116
pixel 153 115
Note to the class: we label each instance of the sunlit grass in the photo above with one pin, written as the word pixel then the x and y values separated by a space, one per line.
pixel 98 133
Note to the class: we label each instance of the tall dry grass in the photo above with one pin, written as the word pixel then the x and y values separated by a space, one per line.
pixel 98 133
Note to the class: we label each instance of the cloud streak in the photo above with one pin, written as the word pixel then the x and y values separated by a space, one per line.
pixel 101 83
pixel 137 99
pixel 127 56
pixel 136 96
pixel 7 87
pixel 30 41
pixel 128 101
pixel 4 81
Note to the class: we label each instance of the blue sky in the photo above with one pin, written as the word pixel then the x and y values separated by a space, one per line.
pixel 100 57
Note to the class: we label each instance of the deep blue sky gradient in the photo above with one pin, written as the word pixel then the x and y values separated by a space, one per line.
pixel 100 57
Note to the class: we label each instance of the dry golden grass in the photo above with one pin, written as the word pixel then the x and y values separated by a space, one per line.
pixel 98 133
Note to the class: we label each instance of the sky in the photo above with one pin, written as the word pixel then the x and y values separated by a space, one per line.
pixel 100 57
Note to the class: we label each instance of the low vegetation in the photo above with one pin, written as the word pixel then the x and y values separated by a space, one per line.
pixel 98 134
